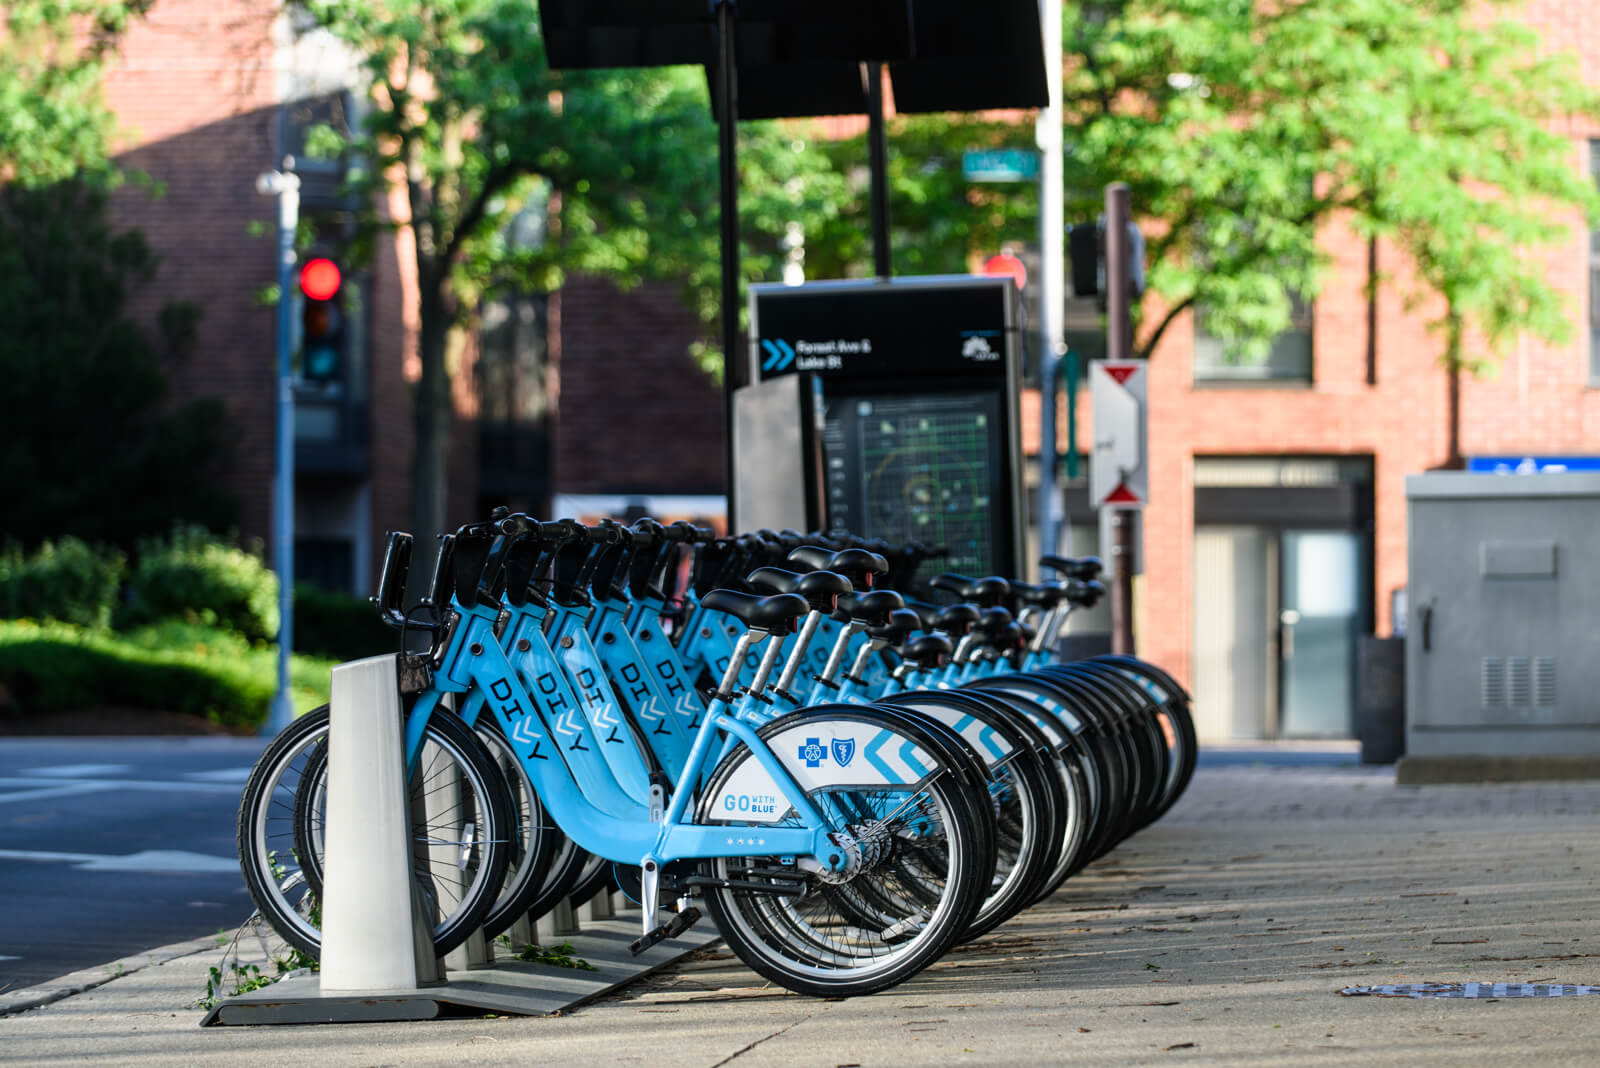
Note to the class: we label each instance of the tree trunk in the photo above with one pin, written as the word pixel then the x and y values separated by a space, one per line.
pixel 1453 460
pixel 430 462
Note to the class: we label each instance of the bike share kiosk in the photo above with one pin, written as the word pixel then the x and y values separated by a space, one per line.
pixel 889 409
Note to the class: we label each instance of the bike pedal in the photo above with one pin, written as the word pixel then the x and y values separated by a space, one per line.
pixel 671 929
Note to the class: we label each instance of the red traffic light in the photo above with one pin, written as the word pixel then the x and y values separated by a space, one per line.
pixel 319 279
pixel 1004 264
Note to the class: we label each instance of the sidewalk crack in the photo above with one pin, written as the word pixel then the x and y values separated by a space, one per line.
pixel 765 1038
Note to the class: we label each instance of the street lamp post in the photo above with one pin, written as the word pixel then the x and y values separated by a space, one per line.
pixel 285 185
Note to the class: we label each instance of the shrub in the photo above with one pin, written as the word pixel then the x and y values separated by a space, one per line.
pixel 65 580
pixel 198 577
pixel 338 626
pixel 173 666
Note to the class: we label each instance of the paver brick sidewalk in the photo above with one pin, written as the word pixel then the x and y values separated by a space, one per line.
pixel 1221 935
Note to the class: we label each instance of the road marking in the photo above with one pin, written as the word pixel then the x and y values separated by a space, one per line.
pixel 234 775
pixel 164 860
pixel 4 956
pixel 53 791
pixel 80 771
pixel 30 789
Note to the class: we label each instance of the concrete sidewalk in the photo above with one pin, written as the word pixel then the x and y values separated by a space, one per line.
pixel 1222 935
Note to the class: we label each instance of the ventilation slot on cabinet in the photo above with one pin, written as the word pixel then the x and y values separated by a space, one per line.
pixel 1519 682
pixel 1544 682
pixel 1493 676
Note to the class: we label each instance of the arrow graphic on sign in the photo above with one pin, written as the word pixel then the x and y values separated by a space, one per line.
pixel 567 724
pixel 779 355
pixel 1123 495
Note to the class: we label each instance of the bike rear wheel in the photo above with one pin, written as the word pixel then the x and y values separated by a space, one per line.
pixel 893 915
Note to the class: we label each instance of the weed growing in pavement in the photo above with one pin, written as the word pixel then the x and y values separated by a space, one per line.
pixel 245 977
pixel 558 956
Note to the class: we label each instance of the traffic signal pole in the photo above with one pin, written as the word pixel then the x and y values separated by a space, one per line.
pixel 733 359
pixel 1119 346
pixel 1052 282
pixel 285 185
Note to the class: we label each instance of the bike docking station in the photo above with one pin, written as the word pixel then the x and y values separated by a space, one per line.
pixel 888 408
pixel 377 961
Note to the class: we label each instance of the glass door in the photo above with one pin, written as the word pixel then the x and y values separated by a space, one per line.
pixel 1319 616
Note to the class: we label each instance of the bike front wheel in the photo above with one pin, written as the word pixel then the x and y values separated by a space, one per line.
pixel 462 832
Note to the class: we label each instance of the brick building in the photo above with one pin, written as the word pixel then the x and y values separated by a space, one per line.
pixel 1276 531
pixel 211 94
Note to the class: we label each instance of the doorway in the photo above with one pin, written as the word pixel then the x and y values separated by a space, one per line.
pixel 1282 592
pixel 1276 616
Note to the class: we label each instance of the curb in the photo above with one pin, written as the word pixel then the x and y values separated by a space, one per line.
pixel 1459 770
pixel 86 979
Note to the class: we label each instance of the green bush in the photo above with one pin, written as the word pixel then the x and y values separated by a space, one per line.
pixel 338 626
pixel 195 576
pixel 173 666
pixel 65 580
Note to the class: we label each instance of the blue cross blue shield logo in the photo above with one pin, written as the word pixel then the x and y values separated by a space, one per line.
pixel 813 753
pixel 843 750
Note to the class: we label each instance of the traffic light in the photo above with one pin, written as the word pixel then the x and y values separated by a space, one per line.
pixel 1086 255
pixel 321 322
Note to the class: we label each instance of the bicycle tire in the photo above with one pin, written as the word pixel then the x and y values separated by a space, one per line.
pixel 268 826
pixel 807 944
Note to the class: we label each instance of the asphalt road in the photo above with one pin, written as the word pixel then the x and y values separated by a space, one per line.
pixel 112 846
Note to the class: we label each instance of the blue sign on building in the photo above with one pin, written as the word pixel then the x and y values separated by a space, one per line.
pixel 1532 465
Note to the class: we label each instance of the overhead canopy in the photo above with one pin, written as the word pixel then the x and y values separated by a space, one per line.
pixel 803 58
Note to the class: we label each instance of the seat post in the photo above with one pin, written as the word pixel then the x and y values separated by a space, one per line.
pixel 728 688
pixel 797 656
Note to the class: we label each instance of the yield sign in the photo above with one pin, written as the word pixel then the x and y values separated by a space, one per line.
pixel 1118 475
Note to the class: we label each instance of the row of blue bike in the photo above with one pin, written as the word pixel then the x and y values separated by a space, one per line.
pixel 767 727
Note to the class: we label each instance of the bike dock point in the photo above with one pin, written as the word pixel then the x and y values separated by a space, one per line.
pixel 377 954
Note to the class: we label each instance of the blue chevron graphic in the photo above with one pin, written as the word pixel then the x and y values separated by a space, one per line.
pixel 871 753
pixel 780 354
pixel 773 355
pixel 987 736
pixel 909 756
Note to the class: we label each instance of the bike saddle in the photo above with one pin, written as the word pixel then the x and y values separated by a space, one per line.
pixel 1086 594
pixel 858 565
pixel 985 592
pixel 871 608
pixel 1074 567
pixel 897 628
pixel 821 589
pixel 774 615
pixel 1045 595
pixel 928 652
pixel 993 621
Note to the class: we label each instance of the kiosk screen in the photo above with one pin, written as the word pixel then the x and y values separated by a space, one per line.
pixel 920 467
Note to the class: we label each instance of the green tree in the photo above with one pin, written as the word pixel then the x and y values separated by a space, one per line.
pixel 616 167
pixel 93 448
pixel 53 122
pixel 1243 128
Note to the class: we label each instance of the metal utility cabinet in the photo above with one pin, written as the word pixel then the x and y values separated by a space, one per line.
pixel 1503 639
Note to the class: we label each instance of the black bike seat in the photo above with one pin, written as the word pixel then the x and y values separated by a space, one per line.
pixel 987 592
pixel 898 627
pixel 956 619
pixel 1077 567
pixel 872 608
pixel 775 614
pixel 929 651
pixel 820 588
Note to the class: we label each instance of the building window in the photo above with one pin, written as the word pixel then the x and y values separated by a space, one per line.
pixel 1288 360
pixel 1594 277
